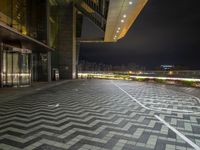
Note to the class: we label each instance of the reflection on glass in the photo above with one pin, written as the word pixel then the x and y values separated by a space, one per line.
pixel 16 70
pixel 16 67
pixel 25 77
pixel 23 16
pixel 9 69
pixel 4 68
pixel 13 13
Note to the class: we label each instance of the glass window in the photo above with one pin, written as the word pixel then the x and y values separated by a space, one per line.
pixel 9 69
pixel 23 16
pixel 16 67
pixel 5 11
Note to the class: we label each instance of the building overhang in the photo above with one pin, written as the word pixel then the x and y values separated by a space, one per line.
pixel 121 16
pixel 8 34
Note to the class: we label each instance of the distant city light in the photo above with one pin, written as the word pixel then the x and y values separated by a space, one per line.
pixel 140 72
pixel 171 73
pixel 122 20
pixel 167 67
pixel 130 2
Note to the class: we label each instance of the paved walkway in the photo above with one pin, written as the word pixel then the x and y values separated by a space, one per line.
pixel 7 94
pixel 102 115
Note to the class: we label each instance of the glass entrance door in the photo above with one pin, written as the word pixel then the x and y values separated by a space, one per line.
pixel 16 69
pixel 25 69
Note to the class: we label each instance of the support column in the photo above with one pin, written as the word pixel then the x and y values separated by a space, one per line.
pixel 48 41
pixel 1 65
pixel 49 66
pixel 31 67
pixel 77 56
pixel 66 44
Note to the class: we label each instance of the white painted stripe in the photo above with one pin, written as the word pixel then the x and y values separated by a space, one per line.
pixel 154 109
pixel 178 133
pixel 196 147
pixel 130 96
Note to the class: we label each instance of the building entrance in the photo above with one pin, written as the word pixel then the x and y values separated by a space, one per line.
pixel 15 66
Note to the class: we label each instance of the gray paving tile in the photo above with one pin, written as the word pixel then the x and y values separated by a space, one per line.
pixel 94 114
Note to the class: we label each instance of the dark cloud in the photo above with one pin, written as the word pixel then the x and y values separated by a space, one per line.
pixel 166 32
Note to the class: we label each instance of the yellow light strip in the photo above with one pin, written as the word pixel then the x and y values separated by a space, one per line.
pixel 142 77
pixel 167 78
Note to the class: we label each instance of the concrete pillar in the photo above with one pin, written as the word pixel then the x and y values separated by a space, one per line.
pixel 31 67
pixel 1 64
pixel 49 66
pixel 77 56
pixel 48 41
pixel 66 42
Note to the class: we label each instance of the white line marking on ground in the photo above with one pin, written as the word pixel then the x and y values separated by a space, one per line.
pixel 157 109
pixel 178 133
pixel 130 96
pixel 196 147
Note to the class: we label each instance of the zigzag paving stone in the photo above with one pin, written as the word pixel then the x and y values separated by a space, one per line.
pixel 96 115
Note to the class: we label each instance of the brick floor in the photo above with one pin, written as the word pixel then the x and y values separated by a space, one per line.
pixel 7 94
pixel 97 115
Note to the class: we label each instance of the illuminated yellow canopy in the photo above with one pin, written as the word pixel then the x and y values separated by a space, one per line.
pixel 121 16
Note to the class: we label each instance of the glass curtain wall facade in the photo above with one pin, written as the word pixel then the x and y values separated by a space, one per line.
pixel 18 65
pixel 13 14
pixel 26 17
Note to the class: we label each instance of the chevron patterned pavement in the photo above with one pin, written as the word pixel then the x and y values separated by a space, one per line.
pixel 96 115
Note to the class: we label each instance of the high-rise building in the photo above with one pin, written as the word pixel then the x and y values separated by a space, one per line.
pixel 41 37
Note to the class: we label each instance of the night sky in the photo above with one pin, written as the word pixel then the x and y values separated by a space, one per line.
pixel 166 32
